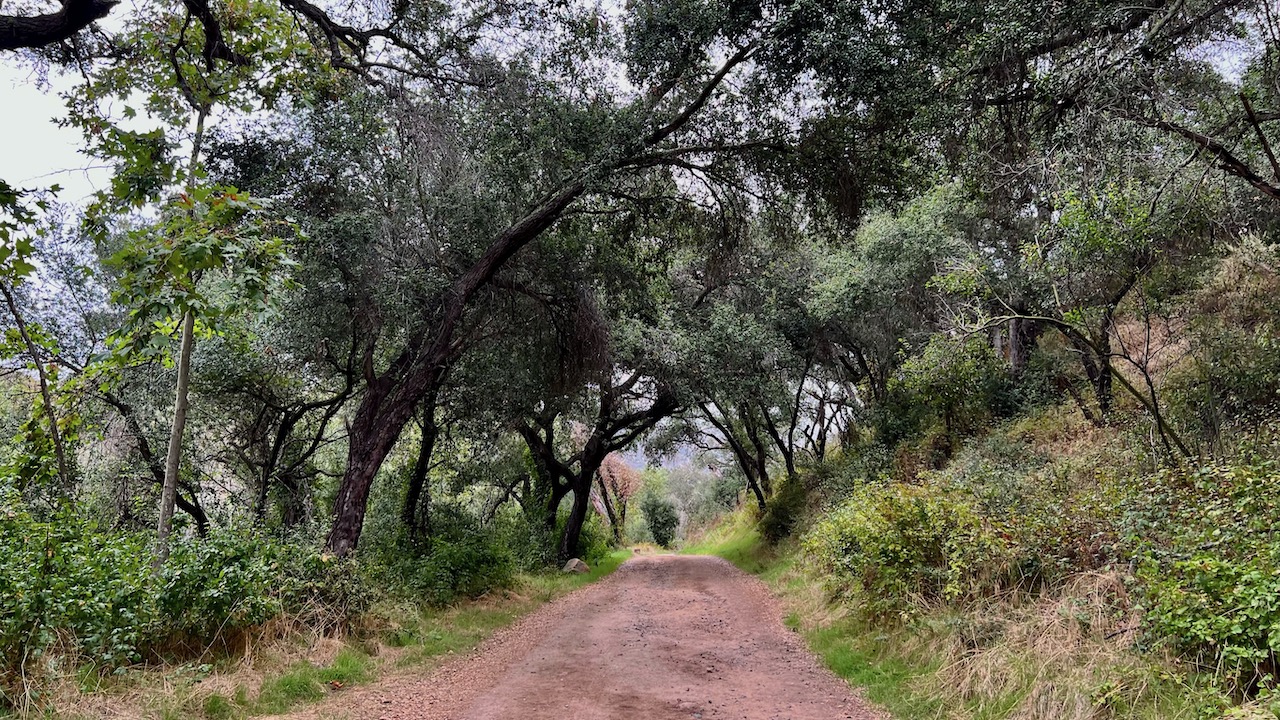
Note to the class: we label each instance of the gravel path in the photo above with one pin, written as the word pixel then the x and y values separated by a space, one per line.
pixel 664 637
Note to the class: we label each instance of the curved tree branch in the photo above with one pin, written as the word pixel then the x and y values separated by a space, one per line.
pixel 39 30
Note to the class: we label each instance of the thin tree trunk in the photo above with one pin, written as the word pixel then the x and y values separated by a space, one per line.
pixel 608 509
pixel 169 492
pixel 64 474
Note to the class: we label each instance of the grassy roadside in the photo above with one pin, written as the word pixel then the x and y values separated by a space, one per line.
pixel 279 676
pixel 932 667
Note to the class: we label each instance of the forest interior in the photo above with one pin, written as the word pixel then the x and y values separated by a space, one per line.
pixel 955 322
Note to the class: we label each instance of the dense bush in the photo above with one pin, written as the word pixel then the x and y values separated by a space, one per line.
pixel 1210 564
pixel 660 514
pixel 70 586
pixel 784 510
pixel 963 382
pixel 462 558
pixel 60 579
pixel 1222 614
pixel 459 568
pixel 895 545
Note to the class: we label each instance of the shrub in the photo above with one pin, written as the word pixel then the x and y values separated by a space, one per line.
pixel 595 541
pixel 69 586
pixel 62 578
pixel 1222 614
pixel 894 545
pixel 963 382
pixel 660 514
pixel 784 510
pixel 225 582
pixel 1210 569
pixel 465 567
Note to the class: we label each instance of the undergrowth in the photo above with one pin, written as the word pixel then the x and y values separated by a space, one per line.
pixel 288 667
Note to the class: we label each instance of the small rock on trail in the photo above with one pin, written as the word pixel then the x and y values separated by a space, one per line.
pixel 664 638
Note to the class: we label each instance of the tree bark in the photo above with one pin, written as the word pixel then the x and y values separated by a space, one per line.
pixel 572 535
pixel 37 31
pixel 169 492
pixel 608 509
pixel 416 513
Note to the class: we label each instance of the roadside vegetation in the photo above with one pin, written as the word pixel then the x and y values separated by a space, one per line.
pixel 1046 571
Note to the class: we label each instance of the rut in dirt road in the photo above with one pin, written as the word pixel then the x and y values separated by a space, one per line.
pixel 664 637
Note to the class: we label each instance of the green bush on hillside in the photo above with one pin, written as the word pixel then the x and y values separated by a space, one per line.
pixel 660 514
pixel 1210 569
pixel 784 510
pixel 1222 614
pixel 897 545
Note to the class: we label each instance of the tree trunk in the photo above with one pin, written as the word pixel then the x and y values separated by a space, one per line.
pixel 169 492
pixel 592 458
pixel 577 519
pixel 377 426
pixel 755 489
pixel 416 513
pixel 418 372
pixel 608 509
pixel 60 453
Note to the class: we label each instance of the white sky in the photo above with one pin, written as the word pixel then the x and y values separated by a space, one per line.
pixel 36 152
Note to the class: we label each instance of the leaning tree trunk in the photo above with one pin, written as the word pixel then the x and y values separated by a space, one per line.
pixel 417 374
pixel 377 426
pixel 592 458
pixel 169 492
pixel 60 453
pixel 608 509
pixel 416 513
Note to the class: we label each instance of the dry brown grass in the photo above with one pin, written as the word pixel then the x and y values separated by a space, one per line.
pixel 144 691
pixel 1059 651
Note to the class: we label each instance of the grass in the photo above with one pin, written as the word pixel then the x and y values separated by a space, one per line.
pixel 436 634
pixel 1040 668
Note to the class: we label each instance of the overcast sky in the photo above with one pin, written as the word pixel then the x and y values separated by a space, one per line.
pixel 38 153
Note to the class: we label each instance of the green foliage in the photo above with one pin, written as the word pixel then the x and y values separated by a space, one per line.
pixel 64 576
pixel 216 253
pixel 226 582
pixel 17 214
pixel 1222 614
pixel 660 514
pixel 898 545
pixel 1210 567
pixel 963 382
pixel 68 585
pixel 596 541
pixel 454 569
pixel 784 511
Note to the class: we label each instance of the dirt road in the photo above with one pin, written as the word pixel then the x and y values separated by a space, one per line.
pixel 664 637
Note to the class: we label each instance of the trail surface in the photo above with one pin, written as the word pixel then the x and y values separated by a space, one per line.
pixel 663 638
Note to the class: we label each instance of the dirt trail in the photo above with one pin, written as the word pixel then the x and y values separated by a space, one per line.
pixel 664 637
